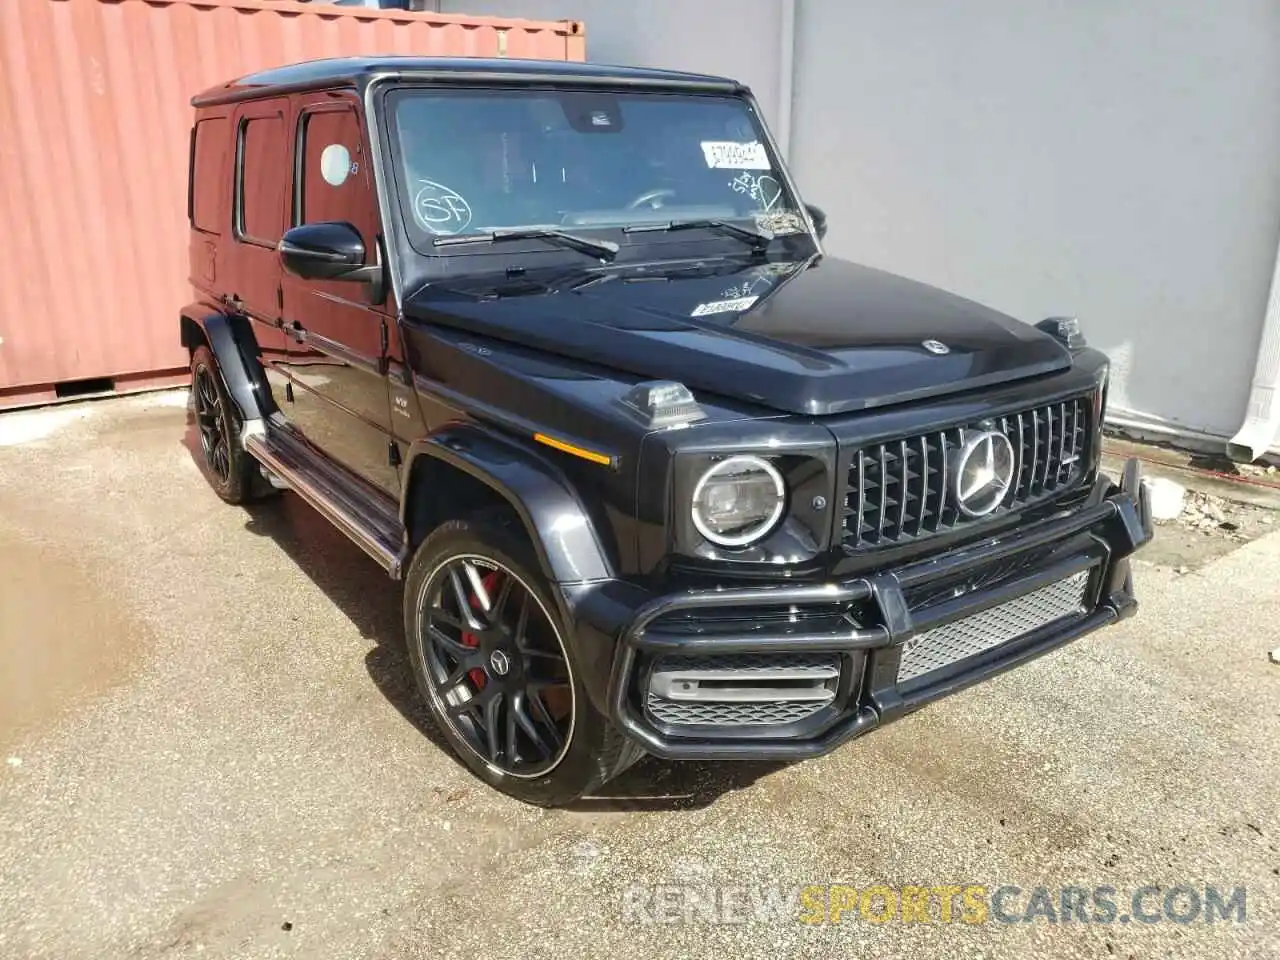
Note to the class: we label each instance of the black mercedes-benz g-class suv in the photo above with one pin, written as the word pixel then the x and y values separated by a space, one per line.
pixel 558 345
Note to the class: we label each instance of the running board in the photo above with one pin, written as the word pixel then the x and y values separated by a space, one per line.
pixel 364 513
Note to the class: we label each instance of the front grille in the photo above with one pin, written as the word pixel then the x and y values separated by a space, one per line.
pixel 901 489
pixel 756 689
pixel 972 635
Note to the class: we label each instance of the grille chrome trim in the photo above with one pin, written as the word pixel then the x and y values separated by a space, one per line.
pixel 886 502
pixel 741 689
pixel 978 633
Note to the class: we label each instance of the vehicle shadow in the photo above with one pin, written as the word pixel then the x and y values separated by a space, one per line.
pixel 364 594
pixel 361 591
pixel 655 784
pixel 372 602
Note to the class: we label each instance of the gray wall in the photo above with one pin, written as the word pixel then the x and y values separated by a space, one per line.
pixel 1119 161
pixel 737 38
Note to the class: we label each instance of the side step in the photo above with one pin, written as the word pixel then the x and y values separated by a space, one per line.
pixel 361 511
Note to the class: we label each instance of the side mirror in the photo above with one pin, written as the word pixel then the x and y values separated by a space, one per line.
pixel 324 251
pixel 819 218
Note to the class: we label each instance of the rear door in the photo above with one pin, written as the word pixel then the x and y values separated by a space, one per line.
pixel 260 180
pixel 338 359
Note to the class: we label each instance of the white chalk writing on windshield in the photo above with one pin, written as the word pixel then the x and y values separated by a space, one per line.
pixel 440 210
pixel 763 189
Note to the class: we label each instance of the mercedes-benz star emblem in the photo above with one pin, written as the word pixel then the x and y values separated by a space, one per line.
pixel 983 472
pixel 936 346
pixel 500 662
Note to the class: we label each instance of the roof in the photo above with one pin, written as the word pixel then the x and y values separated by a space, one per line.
pixel 358 71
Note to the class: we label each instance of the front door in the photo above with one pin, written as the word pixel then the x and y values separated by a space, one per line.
pixel 338 356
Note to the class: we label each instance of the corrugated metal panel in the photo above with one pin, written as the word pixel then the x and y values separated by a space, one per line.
pixel 95 114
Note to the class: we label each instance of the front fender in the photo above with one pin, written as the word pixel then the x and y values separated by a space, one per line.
pixel 234 346
pixel 558 524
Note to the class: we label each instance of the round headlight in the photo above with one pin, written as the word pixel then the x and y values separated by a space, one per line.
pixel 738 501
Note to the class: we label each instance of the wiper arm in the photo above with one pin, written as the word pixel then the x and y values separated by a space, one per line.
pixel 604 249
pixel 759 239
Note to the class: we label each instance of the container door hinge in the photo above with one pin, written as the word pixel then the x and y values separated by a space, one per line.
pixel 393 453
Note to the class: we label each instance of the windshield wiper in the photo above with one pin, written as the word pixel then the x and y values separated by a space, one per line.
pixel 604 249
pixel 759 239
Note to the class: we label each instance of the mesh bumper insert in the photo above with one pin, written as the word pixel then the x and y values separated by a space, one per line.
pixel 969 636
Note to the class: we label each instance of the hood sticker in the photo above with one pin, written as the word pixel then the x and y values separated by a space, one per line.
pixel 728 155
pixel 723 306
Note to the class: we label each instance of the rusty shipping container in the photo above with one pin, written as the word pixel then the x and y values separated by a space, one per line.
pixel 95 119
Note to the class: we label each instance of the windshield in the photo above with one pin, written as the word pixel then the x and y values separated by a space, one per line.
pixel 470 162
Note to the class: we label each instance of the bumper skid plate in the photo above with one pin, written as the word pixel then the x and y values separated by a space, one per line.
pixel 787 672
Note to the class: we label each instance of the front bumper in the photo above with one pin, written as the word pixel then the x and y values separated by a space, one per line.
pixel 862 624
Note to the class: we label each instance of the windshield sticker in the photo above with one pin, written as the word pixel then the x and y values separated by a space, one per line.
pixel 440 210
pixel 723 306
pixel 763 189
pixel 336 165
pixel 727 155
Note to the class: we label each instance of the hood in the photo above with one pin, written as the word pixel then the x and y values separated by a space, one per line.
pixel 808 337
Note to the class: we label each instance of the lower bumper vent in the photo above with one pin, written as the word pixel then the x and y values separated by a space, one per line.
pixel 969 636
pixel 745 689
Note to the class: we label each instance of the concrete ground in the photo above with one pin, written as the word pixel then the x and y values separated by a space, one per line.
pixel 213 748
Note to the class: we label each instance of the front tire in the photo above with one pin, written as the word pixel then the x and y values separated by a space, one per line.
pixel 229 470
pixel 490 657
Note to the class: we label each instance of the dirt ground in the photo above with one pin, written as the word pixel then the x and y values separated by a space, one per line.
pixel 210 746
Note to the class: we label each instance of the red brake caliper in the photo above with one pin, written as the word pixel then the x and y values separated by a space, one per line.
pixel 489 581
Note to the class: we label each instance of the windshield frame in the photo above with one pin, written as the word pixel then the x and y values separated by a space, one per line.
pixel 390 162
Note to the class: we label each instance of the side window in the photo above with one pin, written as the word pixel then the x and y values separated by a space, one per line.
pixel 261 173
pixel 333 181
pixel 209 146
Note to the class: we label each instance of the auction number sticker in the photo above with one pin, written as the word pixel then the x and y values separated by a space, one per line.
pixel 730 155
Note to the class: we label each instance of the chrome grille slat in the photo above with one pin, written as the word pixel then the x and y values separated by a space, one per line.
pixel 1062 444
pixel 1021 488
pixel 884 492
pixel 945 484
pixel 976 634
pixel 1048 447
pixel 1035 451
pixel 888 504
pixel 923 512
pixel 862 492
pixel 755 689
pixel 904 491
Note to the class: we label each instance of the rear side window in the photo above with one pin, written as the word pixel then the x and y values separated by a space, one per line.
pixel 261 174
pixel 209 173
pixel 334 180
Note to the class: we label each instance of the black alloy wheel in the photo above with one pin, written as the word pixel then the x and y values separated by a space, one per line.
pixel 212 424
pixel 496 666
pixel 231 472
